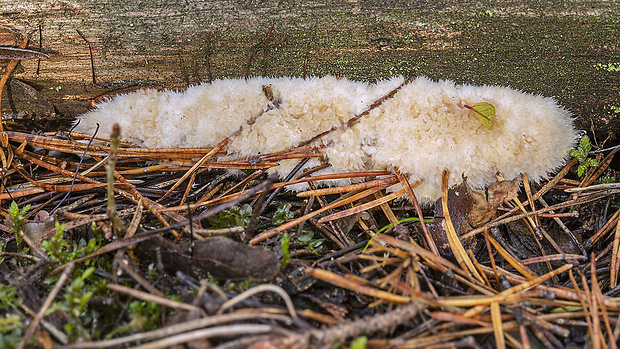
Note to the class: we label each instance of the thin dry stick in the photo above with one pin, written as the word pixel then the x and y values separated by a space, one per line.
pixel 324 338
pixel 303 75
pixel 90 53
pixel 530 199
pixel 596 291
pixel 153 298
pixel 490 252
pixel 354 119
pixel 455 244
pixel 582 301
pixel 179 328
pixel 409 190
pixel 601 168
pixel 552 183
pixel 515 263
pixel 250 60
pixel 222 331
pixel 58 334
pixel 563 226
pixel 615 258
pixel 604 186
pixel 6 163
pixel 520 288
pixel 578 201
pixel 534 222
pixel 332 176
pixel 117 223
pixel 496 316
pixel 352 285
pixel 603 231
pixel 258 289
pixel 272 232
pixel 40 48
pixel 597 340
pixel 200 162
pixel 387 210
pixel 479 267
pixel 46 304
pixel 265 49
pixel 361 208
pixel 552 257
pixel 9 70
pixel 347 188
pixel 208 53
pixel 188 189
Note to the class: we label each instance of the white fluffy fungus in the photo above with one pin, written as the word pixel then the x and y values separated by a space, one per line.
pixel 422 130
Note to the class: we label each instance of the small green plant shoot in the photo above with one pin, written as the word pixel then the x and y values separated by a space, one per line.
pixel 282 214
pixel 286 255
pixel 307 238
pixel 143 316
pixel 485 113
pixel 61 251
pixel 237 216
pixel 581 154
pixel 75 303
pixel 17 217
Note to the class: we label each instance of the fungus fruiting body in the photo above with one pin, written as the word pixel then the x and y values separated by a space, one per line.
pixel 425 127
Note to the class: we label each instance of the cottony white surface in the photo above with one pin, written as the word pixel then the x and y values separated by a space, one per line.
pixel 424 129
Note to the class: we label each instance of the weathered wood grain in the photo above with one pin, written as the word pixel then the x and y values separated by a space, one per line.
pixel 557 50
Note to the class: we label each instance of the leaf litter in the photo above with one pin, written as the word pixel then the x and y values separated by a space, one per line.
pixel 484 288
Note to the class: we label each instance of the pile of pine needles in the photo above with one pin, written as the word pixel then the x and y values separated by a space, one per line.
pixel 517 285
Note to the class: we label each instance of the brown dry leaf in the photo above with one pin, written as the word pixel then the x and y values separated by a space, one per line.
pixel 563 240
pixel 469 209
pixel 460 203
pixel 483 210
pixel 503 191
pixel 218 256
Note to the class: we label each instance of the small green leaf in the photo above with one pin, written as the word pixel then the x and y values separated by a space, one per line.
pixel 359 342
pixel 581 170
pixel 581 154
pixel 485 113
pixel 584 144
pixel 305 237
pixel 237 216
pixel 313 244
pixel 282 214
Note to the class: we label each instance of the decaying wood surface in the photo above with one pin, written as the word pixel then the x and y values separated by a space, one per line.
pixel 540 47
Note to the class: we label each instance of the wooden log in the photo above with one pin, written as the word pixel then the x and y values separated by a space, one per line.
pixel 537 47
